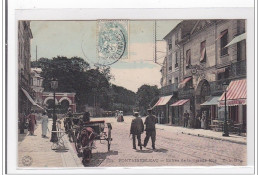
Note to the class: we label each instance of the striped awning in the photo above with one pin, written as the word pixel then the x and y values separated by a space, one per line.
pixel 163 100
pixel 182 84
pixel 236 93
pixel 180 102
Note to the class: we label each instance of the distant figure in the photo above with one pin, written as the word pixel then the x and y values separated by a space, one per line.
pixel 86 117
pixel 45 121
pixel 136 129
pixel 162 118
pixel 32 121
pixel 202 120
pixel 150 122
pixel 205 120
pixel 186 118
pixel 22 120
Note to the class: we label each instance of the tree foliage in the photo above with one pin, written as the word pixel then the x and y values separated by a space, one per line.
pixel 146 96
pixel 91 85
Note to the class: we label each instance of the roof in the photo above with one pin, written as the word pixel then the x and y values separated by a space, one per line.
pixel 180 102
pixel 211 101
pixel 185 25
pixel 163 100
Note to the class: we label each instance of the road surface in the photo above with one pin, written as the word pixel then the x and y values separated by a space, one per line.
pixel 172 149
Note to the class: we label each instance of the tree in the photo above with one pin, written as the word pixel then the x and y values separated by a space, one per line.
pixel 145 97
pixel 75 75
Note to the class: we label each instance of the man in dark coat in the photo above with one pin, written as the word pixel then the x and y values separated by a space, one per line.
pixel 186 118
pixel 86 117
pixel 137 128
pixel 150 122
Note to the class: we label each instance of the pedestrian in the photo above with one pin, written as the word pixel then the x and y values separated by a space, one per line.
pixel 22 121
pixel 202 120
pixel 86 117
pixel 32 122
pixel 150 122
pixel 185 118
pixel 45 120
pixel 162 118
pixel 136 129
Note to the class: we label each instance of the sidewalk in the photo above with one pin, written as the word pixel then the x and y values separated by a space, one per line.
pixel 203 133
pixel 35 151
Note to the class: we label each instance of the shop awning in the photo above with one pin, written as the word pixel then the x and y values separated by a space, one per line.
pixel 182 84
pixel 163 100
pixel 236 93
pixel 30 99
pixel 211 101
pixel 237 39
pixel 180 102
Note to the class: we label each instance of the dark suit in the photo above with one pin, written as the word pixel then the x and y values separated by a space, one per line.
pixel 137 127
pixel 150 122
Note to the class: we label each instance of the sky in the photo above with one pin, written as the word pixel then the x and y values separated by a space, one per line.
pixel 79 38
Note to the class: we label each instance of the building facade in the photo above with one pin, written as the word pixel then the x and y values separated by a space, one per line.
pixel 24 67
pixel 36 84
pixel 201 56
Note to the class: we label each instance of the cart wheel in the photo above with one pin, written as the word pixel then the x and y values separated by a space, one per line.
pixel 78 145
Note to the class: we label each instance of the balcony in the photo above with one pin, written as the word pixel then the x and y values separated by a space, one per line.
pixel 238 69
pixel 169 89
pixel 185 93
pixel 216 87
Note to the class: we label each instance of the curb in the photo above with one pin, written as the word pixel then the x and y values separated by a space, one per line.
pixel 215 138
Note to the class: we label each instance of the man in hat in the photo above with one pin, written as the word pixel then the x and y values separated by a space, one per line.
pixel 137 128
pixel 150 122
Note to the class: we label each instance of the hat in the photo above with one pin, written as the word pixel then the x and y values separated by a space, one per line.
pixel 136 113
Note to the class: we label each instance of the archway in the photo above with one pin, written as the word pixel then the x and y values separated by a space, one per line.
pixel 202 91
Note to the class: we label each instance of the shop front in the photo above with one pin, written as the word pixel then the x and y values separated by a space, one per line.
pixel 209 109
pixel 161 109
pixel 236 96
pixel 179 108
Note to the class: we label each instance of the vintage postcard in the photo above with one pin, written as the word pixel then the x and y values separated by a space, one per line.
pixel 132 93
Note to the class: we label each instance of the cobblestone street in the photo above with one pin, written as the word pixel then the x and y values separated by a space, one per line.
pixel 173 148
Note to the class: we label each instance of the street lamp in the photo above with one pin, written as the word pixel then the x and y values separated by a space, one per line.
pixel 225 133
pixel 54 86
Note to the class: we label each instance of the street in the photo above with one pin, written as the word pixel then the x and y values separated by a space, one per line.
pixel 173 148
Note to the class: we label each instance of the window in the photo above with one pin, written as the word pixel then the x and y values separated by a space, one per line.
pixel 188 58
pixel 170 68
pixel 176 59
pixel 170 81
pixel 176 81
pixel 203 52
pixel 223 43
pixel 170 44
